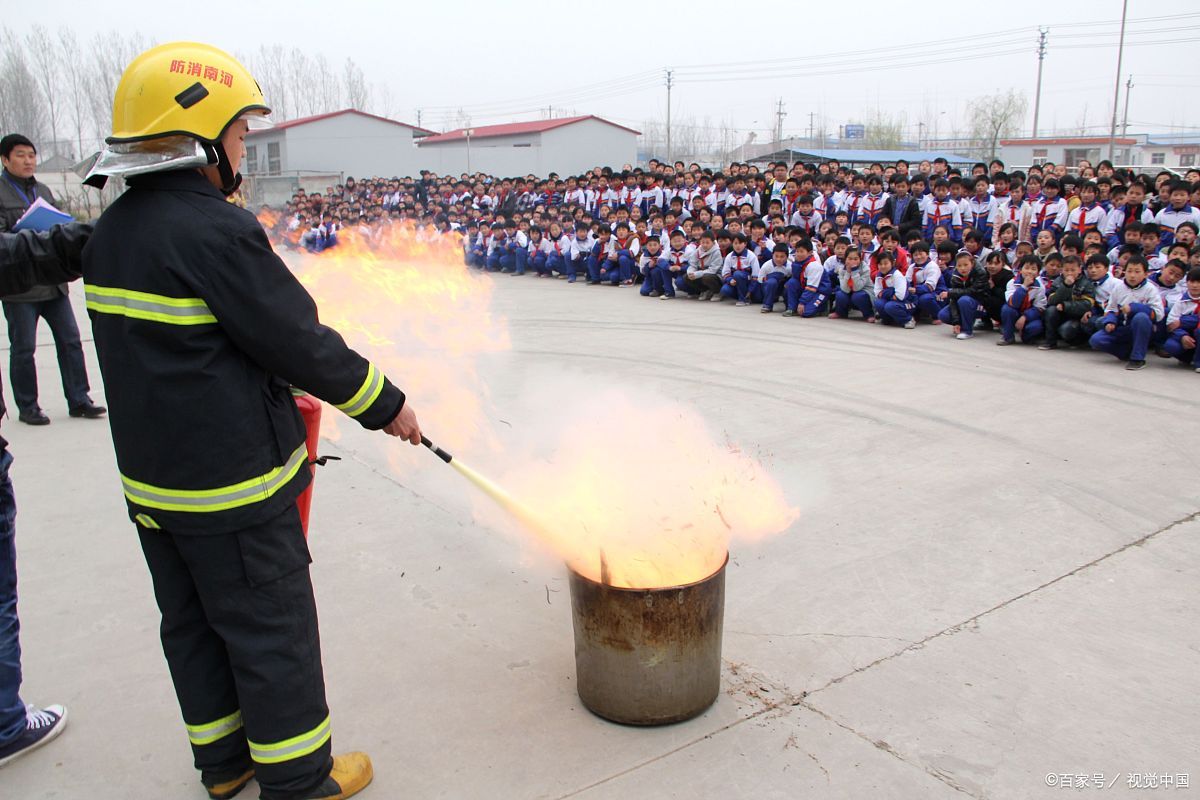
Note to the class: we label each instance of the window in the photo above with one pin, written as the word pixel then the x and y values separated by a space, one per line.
pixel 1041 152
pixel 1073 155
pixel 251 159
pixel 1188 161
pixel 272 158
pixel 1158 158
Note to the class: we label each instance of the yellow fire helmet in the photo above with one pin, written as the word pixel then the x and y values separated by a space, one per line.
pixel 183 88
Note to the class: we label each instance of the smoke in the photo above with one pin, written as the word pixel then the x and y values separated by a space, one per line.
pixel 615 474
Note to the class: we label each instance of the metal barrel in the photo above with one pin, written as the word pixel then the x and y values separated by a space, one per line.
pixel 648 656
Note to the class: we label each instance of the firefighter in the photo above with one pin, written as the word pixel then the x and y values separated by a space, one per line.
pixel 201 332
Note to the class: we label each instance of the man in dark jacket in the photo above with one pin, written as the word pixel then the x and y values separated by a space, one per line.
pixel 18 191
pixel 27 259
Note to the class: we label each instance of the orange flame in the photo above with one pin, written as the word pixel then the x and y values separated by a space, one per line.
pixel 653 495
pixel 403 298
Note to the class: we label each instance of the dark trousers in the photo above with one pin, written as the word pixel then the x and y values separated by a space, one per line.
pixel 12 710
pixel 239 630
pixel 22 337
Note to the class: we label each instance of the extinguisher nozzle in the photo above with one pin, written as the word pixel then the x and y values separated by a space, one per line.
pixel 437 451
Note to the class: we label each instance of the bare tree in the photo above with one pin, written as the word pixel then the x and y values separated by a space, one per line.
pixel 355 89
pixel 21 106
pixel 885 131
pixel 45 60
pixel 74 87
pixel 993 116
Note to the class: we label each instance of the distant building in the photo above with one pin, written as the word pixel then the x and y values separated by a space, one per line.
pixel 1068 150
pixel 567 146
pixel 858 158
pixel 1177 152
pixel 348 142
pixel 1169 151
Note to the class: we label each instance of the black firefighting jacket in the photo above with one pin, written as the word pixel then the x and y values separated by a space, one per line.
pixel 201 330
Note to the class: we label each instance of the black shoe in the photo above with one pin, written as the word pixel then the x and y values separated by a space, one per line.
pixel 41 726
pixel 34 417
pixel 89 410
pixel 1135 365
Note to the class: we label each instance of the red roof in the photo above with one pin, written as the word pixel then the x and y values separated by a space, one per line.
pixel 293 123
pixel 1068 140
pixel 515 128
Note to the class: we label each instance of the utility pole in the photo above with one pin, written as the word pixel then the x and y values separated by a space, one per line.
pixel 418 117
pixel 1112 131
pixel 468 133
pixel 1125 119
pixel 920 135
pixel 1037 101
pixel 779 115
pixel 669 81
pixel 811 116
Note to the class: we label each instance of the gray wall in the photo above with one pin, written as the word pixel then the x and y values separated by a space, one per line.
pixel 349 144
pixel 570 149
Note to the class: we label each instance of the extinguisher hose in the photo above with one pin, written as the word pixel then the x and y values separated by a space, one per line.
pixel 437 451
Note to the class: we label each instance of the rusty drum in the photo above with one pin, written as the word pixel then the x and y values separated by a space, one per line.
pixel 648 656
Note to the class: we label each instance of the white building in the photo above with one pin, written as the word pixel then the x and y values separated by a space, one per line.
pixel 349 143
pixel 1146 151
pixel 1068 150
pixel 566 146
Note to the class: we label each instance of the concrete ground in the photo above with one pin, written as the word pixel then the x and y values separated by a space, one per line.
pixel 992 587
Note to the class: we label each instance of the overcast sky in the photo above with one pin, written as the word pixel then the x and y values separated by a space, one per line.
pixel 733 60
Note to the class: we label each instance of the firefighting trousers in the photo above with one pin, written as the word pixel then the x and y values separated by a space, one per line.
pixel 239 631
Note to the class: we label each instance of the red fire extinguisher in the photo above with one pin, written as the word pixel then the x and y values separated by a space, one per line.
pixel 310 410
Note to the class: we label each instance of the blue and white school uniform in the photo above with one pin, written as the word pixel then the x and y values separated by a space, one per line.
pixel 1185 313
pixel 893 302
pixel 1131 338
pixel 1022 301
pixel 928 282
pixel 1170 218
pixel 810 288
pixel 736 275
pixel 679 263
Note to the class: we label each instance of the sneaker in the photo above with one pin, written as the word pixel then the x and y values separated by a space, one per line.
pixel 350 775
pixel 1197 369
pixel 789 313
pixel 741 303
pixel 1005 342
pixel 655 293
pixel 908 326
pixel 88 410
pixel 766 310
pixel 937 322
pixel 667 297
pixel 964 335
pixel 223 786
pixel 706 295
pixel 834 315
pixel 42 725
pixel 717 298
pixel 871 320
pixel 1048 346
pixel 1135 365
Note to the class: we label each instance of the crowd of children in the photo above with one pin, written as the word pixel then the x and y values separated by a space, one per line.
pixel 1099 257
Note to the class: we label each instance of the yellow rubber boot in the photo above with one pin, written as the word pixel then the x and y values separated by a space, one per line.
pixel 350 775
pixel 227 789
